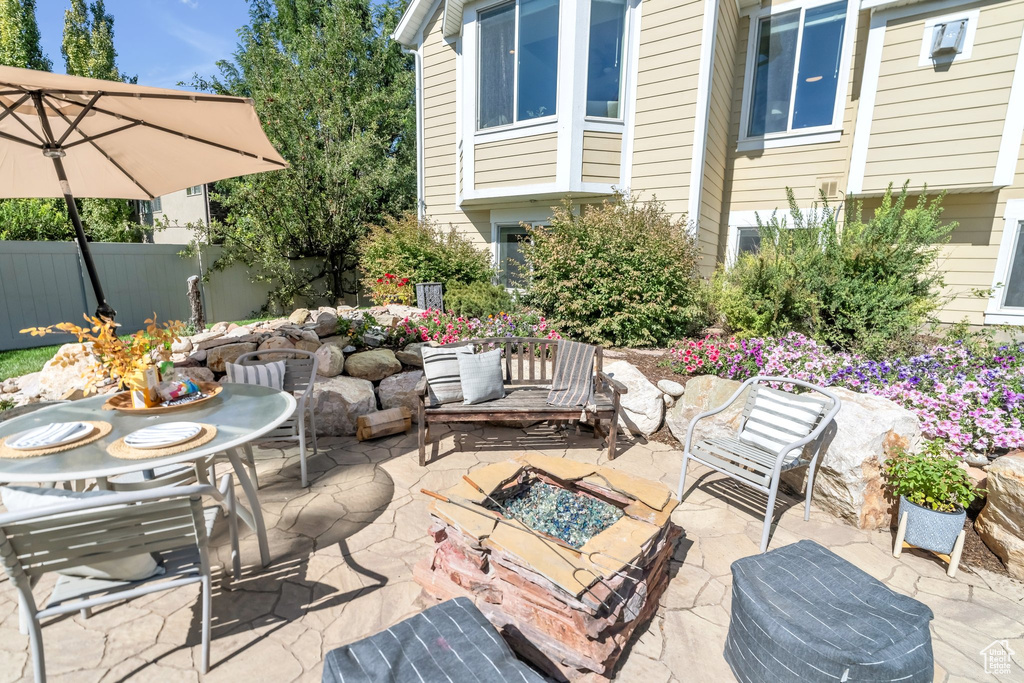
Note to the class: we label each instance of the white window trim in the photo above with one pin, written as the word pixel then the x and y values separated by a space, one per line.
pixel 506 218
pixel 748 219
pixel 471 17
pixel 802 136
pixel 995 312
pixel 925 58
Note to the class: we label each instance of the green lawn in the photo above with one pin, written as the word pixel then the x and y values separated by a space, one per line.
pixel 24 361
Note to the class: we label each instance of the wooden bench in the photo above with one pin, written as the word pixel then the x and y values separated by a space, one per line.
pixel 527 372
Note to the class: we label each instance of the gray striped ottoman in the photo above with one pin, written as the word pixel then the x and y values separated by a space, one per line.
pixel 802 613
pixel 450 642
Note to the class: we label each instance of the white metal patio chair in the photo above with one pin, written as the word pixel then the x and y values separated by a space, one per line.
pixel 779 431
pixel 174 523
pixel 300 368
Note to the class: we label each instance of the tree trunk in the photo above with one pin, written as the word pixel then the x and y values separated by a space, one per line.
pixel 195 302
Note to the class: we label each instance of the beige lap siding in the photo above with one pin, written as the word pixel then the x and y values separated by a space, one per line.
pixel 942 127
pixel 601 155
pixel 522 161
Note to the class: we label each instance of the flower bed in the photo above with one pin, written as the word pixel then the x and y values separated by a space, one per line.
pixel 968 395
pixel 445 328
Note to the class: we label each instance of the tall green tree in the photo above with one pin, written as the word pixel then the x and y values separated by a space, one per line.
pixel 88 49
pixel 336 97
pixel 88 44
pixel 19 36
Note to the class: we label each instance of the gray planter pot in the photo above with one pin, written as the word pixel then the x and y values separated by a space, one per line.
pixel 931 529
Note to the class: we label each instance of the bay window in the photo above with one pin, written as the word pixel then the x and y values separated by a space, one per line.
pixel 796 70
pixel 605 58
pixel 1013 287
pixel 518 64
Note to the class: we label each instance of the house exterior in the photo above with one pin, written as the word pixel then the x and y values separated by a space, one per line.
pixel 716 106
pixel 191 205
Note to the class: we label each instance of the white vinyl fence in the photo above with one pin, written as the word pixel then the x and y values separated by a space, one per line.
pixel 42 283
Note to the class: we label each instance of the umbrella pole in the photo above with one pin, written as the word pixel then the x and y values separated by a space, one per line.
pixel 55 153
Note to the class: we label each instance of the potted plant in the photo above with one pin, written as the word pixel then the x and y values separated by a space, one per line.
pixel 934 492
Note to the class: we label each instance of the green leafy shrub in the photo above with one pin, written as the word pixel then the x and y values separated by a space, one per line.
pixel 931 479
pixel 622 273
pixel 477 300
pixel 866 285
pixel 422 252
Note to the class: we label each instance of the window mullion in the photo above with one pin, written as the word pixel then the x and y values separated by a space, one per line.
pixel 515 69
pixel 796 69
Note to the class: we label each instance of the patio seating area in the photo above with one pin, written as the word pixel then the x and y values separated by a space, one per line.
pixel 343 555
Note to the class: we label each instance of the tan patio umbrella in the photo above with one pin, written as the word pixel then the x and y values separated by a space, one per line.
pixel 71 136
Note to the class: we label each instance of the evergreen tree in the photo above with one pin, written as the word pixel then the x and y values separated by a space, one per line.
pixel 19 36
pixel 88 49
pixel 88 44
pixel 335 95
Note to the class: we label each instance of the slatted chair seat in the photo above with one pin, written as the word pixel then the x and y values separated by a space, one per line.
pixel 779 431
pixel 527 373
pixel 172 523
pixel 300 369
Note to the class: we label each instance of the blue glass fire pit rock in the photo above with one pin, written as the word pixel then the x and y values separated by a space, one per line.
pixel 572 517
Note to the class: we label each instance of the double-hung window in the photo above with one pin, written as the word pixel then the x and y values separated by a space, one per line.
pixel 1013 288
pixel 518 66
pixel 796 70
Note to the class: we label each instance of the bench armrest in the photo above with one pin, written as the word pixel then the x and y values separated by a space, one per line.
pixel 617 386
pixel 421 387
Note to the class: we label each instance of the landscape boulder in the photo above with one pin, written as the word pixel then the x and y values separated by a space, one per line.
pixel 339 401
pixel 275 344
pixel 848 483
pixel 299 316
pixel 56 380
pixel 1001 522
pixel 307 345
pixel 217 357
pixel 330 360
pixel 400 390
pixel 670 388
pixel 642 407
pixel 373 365
pixel 183 345
pixel 325 323
pixel 196 374
pixel 412 354
pixel 339 340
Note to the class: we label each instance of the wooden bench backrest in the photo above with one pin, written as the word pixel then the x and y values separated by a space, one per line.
pixel 528 360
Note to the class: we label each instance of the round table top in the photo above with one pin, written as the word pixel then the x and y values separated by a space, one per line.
pixel 241 413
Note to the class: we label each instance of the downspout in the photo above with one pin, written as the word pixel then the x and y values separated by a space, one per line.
pixel 421 205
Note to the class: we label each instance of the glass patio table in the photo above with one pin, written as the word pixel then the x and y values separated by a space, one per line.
pixel 241 413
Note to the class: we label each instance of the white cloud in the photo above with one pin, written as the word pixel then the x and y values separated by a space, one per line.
pixel 191 3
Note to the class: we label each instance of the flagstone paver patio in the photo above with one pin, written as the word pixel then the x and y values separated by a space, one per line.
pixel 345 548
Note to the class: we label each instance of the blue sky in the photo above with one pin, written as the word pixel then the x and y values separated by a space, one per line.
pixel 161 41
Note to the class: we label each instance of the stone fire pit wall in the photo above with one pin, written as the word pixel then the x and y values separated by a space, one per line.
pixel 569 612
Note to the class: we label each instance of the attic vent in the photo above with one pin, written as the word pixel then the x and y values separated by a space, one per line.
pixel 948 38
pixel 828 187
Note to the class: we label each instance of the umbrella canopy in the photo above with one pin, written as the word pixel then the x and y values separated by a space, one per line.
pixel 72 136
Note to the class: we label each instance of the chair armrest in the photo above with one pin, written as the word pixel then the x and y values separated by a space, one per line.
pixel 617 386
pixel 421 386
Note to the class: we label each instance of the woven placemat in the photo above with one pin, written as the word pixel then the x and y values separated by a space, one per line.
pixel 119 449
pixel 99 430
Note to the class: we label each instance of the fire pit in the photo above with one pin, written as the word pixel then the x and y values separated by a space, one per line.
pixel 568 595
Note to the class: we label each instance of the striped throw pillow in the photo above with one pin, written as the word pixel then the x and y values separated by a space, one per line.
pixel 441 366
pixel 481 377
pixel 779 418
pixel 269 374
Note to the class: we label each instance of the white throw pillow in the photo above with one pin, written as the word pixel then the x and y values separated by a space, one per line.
pixel 269 374
pixel 481 377
pixel 29 498
pixel 779 418
pixel 441 366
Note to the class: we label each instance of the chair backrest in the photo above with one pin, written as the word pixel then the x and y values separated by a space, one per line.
pixel 299 367
pixel 773 417
pixel 528 360
pixel 101 528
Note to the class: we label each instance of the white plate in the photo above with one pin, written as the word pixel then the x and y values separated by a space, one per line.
pixel 163 435
pixel 48 436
